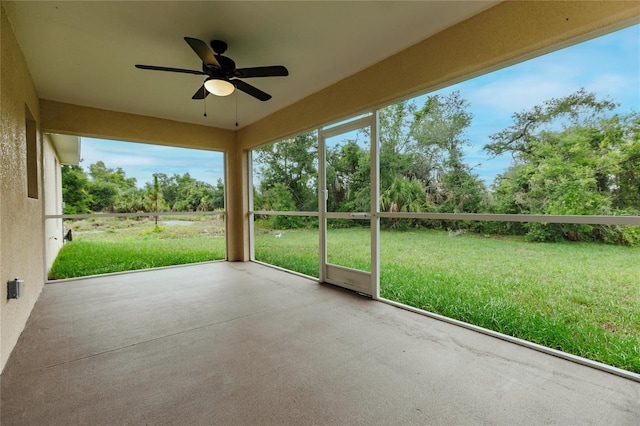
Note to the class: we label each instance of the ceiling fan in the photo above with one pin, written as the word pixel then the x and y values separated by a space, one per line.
pixel 222 75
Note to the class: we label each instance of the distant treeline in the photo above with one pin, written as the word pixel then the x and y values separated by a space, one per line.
pixel 105 189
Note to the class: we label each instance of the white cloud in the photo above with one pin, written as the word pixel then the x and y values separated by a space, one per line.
pixel 608 66
pixel 519 93
pixel 618 87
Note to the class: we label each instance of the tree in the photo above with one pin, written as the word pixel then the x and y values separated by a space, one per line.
pixel 520 138
pixel 185 193
pixel 106 186
pixel 348 176
pixel 133 200
pixel 110 190
pixel 155 197
pixel 279 198
pixel 217 196
pixel 626 182
pixel 462 192
pixel 439 128
pixel 292 163
pixel 396 144
pixel 403 195
pixel 103 195
pixel 426 145
pixel 100 172
pixel 569 158
pixel 75 190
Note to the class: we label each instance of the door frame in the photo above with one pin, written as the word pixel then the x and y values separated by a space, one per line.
pixel 353 279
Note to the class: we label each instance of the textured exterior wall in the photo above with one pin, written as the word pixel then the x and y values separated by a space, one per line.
pixel 21 228
pixel 62 118
pixel 52 199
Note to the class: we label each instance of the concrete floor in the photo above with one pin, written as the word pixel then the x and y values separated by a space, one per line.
pixel 240 343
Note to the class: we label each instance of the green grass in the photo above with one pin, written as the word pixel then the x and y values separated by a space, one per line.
pixel 294 249
pixel 104 246
pixel 580 298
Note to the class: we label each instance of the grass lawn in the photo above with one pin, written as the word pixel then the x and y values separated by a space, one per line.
pixel 102 246
pixel 580 298
pixel 296 250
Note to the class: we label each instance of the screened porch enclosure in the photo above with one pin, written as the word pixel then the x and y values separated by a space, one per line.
pixel 388 273
pixel 525 224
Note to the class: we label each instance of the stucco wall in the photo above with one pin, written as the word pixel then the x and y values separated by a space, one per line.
pixel 21 229
pixel 63 118
pixel 52 199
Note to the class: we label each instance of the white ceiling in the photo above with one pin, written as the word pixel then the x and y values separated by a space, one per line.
pixel 84 52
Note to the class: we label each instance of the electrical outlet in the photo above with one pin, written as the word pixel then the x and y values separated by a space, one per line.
pixel 15 288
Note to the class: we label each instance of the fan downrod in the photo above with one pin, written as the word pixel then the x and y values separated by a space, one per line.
pixel 219 46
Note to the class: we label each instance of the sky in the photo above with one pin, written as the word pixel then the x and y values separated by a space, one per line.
pixel 141 161
pixel 608 66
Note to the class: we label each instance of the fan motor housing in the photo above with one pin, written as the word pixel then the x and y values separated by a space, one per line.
pixel 219 46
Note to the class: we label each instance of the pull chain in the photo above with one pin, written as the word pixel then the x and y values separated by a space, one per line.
pixel 236 108
pixel 205 106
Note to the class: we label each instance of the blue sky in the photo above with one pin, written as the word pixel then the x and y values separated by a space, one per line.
pixel 141 161
pixel 608 66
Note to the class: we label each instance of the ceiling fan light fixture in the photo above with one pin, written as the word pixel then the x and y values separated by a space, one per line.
pixel 219 87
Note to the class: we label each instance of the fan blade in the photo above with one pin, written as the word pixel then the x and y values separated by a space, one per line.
pixel 274 71
pixel 250 90
pixel 203 51
pixel 152 67
pixel 201 93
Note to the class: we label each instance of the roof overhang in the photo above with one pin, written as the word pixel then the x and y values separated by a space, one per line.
pixel 67 147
